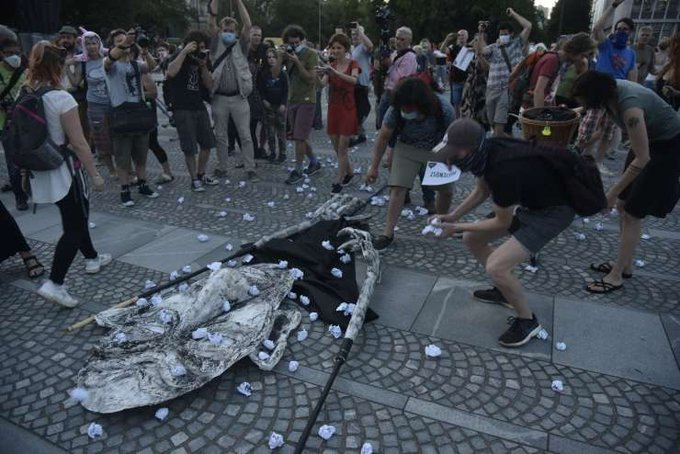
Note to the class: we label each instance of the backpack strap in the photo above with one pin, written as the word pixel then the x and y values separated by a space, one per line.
pixel 224 55
pixel 505 57
pixel 12 82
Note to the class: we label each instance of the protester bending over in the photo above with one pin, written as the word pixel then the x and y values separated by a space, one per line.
pixel 417 118
pixel 530 203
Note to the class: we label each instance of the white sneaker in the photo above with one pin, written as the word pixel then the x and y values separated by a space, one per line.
pixel 56 293
pixel 604 171
pixel 94 265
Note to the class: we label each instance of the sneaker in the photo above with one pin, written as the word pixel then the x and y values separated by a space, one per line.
pixel 164 178
pixel 252 176
pixel 520 332
pixel 312 168
pixel 22 205
pixel 294 177
pixel 354 141
pixel 604 171
pixel 209 181
pixel 492 296
pixel 382 242
pixel 220 173
pixel 144 189
pixel 94 265
pixel 126 198
pixel 336 188
pixel 197 185
pixel 56 293
pixel 347 180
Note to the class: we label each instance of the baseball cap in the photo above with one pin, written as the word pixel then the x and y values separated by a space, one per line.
pixel 463 133
pixel 68 30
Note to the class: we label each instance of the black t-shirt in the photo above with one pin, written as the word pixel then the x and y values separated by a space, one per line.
pixel 528 181
pixel 188 88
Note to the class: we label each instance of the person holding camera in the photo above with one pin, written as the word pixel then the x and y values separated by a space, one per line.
pixel 190 81
pixel 452 46
pixel 503 55
pixel 361 53
pixel 232 84
pixel 301 63
pixel 130 139
pixel 341 75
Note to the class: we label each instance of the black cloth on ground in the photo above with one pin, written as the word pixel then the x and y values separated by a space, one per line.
pixel 305 252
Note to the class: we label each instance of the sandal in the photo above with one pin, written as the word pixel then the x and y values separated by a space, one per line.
pixel 604 287
pixel 33 267
pixel 606 268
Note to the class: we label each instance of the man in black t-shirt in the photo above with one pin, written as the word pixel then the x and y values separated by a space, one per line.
pixel 190 81
pixel 530 202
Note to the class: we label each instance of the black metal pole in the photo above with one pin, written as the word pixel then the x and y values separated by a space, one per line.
pixel 339 361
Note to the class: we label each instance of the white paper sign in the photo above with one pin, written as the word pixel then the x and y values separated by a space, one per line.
pixel 438 173
pixel 464 58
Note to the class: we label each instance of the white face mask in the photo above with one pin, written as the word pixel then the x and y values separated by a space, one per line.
pixel 504 39
pixel 13 60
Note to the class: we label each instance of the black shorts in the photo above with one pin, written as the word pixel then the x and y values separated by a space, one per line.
pixel 536 228
pixel 193 126
pixel 656 190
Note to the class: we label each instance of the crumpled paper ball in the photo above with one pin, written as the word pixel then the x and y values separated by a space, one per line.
pixel 335 331
pixel 275 440
pixel 226 306
pixel 327 245
pixel 326 431
pixel 296 273
pixel 245 388
pixel 186 269
pixel 199 333
pixel 337 273
pixel 253 290
pixel 345 258
pixel 283 264
pixel 293 366
pixel 561 346
pixel 95 430
pixel 269 344
pixel 162 413
pixel 202 237
pixel 313 316
pixel 215 338
pixel 79 394
pixel 557 386
pixel 178 370
pixel 432 351
pixel 302 335
pixel 264 356
pixel 366 448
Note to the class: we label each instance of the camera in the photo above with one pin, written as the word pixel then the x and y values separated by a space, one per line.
pixel 383 17
pixel 203 54
pixel 352 25
pixel 290 49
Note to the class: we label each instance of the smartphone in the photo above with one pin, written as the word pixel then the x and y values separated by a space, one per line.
pixel 353 25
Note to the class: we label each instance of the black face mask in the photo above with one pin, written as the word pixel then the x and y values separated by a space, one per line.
pixel 474 162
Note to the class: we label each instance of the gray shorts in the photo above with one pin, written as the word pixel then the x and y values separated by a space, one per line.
pixel 497 106
pixel 193 126
pixel 130 146
pixel 406 163
pixel 536 228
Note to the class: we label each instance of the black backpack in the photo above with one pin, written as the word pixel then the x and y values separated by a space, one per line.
pixel 27 141
pixel 579 173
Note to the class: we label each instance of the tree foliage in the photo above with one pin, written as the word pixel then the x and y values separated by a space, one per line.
pixel 573 15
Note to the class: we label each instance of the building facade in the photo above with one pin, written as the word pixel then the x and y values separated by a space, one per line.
pixel 662 15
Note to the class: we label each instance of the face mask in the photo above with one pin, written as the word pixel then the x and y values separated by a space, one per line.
pixel 13 60
pixel 299 48
pixel 228 37
pixel 620 39
pixel 504 39
pixel 474 162
pixel 409 115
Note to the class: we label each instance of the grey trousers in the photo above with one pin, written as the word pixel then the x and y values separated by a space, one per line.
pixel 238 108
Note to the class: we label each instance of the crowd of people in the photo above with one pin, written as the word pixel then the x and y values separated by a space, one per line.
pixel 227 85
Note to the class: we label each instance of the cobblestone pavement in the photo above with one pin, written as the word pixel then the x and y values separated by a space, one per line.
pixel 471 399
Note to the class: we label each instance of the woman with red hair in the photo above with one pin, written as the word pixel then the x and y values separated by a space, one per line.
pixel 66 185
pixel 668 80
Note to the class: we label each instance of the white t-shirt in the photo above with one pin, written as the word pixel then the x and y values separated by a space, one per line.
pixel 50 186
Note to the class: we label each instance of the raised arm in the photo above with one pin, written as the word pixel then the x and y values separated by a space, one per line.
pixel 525 23
pixel 598 28
pixel 365 40
pixel 212 18
pixel 245 18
